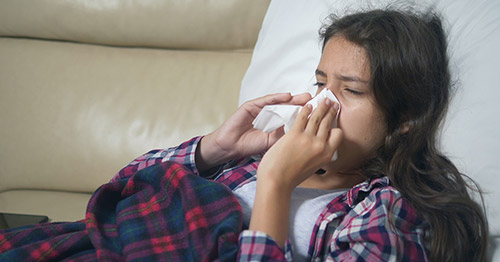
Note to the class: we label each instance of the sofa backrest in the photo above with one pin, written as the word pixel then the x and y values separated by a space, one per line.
pixel 88 85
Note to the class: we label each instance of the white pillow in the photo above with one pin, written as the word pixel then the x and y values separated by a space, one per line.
pixel 288 51
pixel 288 48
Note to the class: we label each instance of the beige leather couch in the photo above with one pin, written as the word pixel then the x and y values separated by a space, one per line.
pixel 87 85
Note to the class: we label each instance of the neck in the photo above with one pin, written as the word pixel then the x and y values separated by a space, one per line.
pixel 330 180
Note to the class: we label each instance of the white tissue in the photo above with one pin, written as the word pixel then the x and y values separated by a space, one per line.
pixel 326 93
pixel 272 117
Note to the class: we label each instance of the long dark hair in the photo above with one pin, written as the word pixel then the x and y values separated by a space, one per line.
pixel 411 83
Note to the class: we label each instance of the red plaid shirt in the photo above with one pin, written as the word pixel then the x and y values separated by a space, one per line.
pixel 370 222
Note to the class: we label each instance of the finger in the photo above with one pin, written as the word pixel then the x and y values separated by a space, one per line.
pixel 300 99
pixel 271 99
pixel 336 136
pixel 255 106
pixel 275 135
pixel 317 116
pixel 301 121
pixel 326 123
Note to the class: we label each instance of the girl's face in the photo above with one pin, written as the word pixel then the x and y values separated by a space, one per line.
pixel 344 68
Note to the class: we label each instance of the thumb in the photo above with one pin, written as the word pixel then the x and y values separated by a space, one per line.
pixel 276 135
pixel 335 138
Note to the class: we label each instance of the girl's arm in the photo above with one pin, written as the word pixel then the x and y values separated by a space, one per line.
pixel 309 145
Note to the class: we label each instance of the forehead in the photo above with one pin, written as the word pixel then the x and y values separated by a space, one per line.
pixel 341 56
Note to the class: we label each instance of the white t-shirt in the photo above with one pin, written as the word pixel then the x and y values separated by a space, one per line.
pixel 305 207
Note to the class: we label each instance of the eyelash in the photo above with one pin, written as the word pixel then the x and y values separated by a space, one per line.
pixel 319 85
pixel 354 92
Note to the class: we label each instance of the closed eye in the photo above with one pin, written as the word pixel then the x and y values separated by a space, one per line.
pixel 319 84
pixel 354 92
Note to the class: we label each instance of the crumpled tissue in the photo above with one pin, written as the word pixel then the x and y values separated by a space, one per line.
pixel 272 117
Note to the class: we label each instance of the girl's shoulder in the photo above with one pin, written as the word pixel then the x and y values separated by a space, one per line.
pixel 377 199
pixel 380 224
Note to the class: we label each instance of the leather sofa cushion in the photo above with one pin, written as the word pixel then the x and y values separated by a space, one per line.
pixel 73 114
pixel 228 24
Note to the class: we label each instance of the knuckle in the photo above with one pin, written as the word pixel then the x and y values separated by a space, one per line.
pixel 316 117
pixel 314 120
pixel 318 147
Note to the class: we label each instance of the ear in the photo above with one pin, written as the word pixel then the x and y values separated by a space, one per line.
pixel 404 128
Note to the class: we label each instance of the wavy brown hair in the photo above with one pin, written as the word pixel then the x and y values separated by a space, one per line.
pixel 411 83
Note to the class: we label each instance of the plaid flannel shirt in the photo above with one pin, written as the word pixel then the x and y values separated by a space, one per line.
pixel 370 222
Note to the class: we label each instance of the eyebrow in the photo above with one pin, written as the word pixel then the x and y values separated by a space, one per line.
pixel 348 78
pixel 320 73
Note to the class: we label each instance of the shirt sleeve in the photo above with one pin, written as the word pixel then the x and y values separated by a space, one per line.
pixel 183 154
pixel 383 227
pixel 259 246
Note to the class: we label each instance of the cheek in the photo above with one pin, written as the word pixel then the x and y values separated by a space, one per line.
pixel 351 119
pixel 362 125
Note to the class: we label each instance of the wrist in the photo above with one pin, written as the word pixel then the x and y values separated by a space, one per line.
pixel 271 187
pixel 276 176
pixel 209 154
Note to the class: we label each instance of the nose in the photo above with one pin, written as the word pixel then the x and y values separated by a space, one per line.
pixel 325 93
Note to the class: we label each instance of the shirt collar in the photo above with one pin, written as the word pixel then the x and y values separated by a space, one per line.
pixel 359 191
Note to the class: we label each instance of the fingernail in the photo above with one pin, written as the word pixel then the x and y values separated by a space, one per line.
pixel 327 101
pixel 335 106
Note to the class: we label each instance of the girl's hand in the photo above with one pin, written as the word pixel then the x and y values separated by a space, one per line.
pixel 309 145
pixel 237 138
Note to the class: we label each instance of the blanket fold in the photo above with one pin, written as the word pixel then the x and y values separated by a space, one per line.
pixel 161 213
